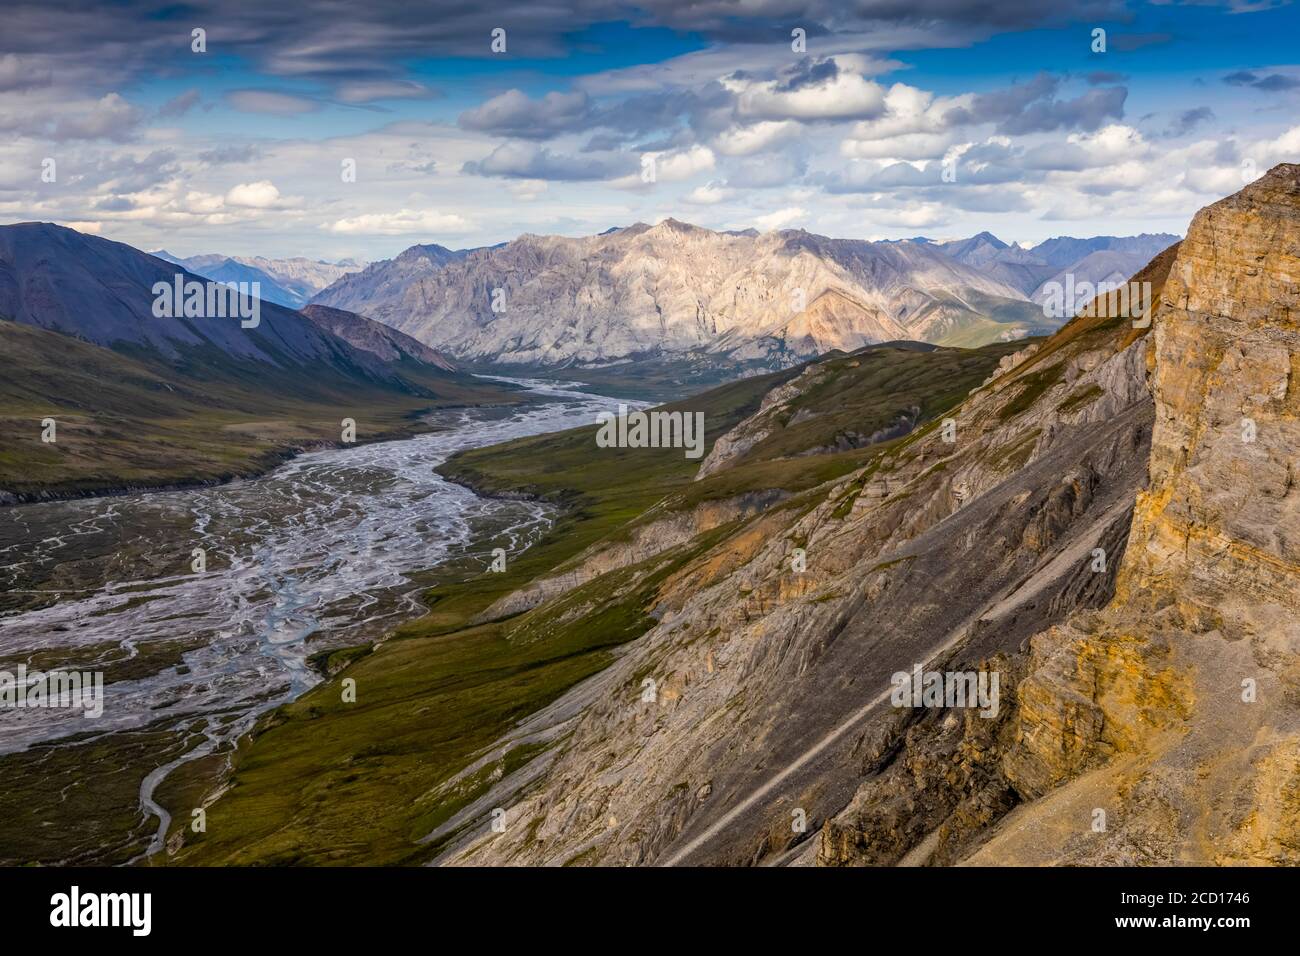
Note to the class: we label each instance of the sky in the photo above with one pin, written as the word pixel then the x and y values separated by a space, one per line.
pixel 354 130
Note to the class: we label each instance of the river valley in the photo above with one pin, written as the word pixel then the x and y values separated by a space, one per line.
pixel 330 550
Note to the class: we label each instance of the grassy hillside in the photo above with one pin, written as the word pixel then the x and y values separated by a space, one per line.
pixel 652 377
pixel 331 782
pixel 129 420
pixel 993 319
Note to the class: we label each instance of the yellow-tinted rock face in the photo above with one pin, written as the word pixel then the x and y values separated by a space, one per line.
pixel 1221 518
pixel 1174 710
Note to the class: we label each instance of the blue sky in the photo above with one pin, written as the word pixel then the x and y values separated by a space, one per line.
pixel 240 148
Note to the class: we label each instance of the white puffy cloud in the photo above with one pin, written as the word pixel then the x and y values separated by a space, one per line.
pixel 915 216
pixel 907 147
pixel 669 166
pixel 780 218
pixel 401 222
pixel 683 164
pixel 258 195
pixel 709 194
pixel 821 90
pixel 527 190
pixel 747 140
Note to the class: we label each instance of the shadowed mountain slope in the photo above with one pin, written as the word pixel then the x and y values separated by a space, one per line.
pixel 142 401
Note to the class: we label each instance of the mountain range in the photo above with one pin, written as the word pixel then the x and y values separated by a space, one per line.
pixel 288 282
pixel 766 300
pixel 143 400
pixel 701 666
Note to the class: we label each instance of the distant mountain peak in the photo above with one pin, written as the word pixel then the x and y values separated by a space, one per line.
pixel 676 225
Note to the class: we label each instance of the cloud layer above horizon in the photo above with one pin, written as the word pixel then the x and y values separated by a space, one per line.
pixel 346 130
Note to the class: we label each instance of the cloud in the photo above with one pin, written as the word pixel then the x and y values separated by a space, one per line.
pixel 1103 77
pixel 20 74
pixel 357 92
pixel 515 114
pixel 1273 83
pixel 814 90
pixel 766 173
pixel 682 164
pixel 274 102
pixel 180 104
pixel 111 118
pixel 746 140
pixel 230 155
pixel 781 218
pixel 913 216
pixel 1032 107
pixel 1108 146
pixel 915 125
pixel 1188 120
pixel 401 222
pixel 907 146
pixel 709 194
pixel 258 195
pixel 528 190
pixel 529 161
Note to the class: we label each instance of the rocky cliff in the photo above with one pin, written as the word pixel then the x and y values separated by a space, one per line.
pixel 1109 524
pixel 1176 709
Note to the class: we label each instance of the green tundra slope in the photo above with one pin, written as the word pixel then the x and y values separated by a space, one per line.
pixel 136 420
pixel 325 781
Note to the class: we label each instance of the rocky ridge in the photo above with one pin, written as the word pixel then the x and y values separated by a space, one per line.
pixel 753 661
pixel 1154 692
pixel 776 298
